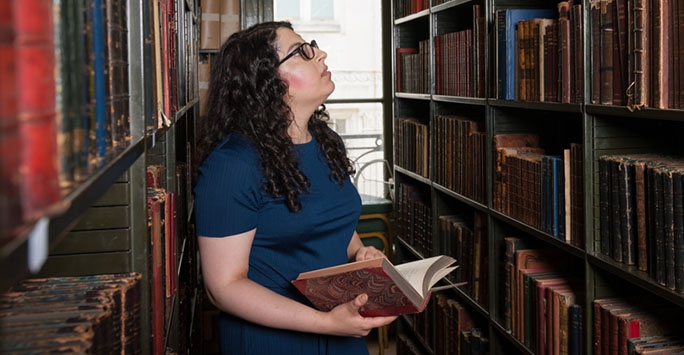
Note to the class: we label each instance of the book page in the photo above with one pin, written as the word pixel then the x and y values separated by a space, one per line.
pixel 420 273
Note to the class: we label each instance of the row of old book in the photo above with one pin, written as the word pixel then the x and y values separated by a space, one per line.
pixel 623 325
pixel 446 327
pixel 641 208
pixel 460 60
pixel 95 314
pixel 540 54
pixel 65 106
pixel 406 7
pixel 413 151
pixel 172 275
pixel 636 50
pixel 460 160
pixel 541 190
pixel 412 69
pixel 464 237
pixel 542 303
pixel 414 219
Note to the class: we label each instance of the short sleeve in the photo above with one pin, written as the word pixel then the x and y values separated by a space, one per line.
pixel 227 194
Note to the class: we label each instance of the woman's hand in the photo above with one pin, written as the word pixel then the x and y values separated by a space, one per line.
pixel 356 251
pixel 345 319
pixel 367 252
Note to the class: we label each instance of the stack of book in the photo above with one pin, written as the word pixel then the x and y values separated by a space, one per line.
pixel 98 314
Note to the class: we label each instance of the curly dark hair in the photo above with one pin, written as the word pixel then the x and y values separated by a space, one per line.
pixel 247 96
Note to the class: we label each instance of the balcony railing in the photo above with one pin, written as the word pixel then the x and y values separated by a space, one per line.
pixel 373 173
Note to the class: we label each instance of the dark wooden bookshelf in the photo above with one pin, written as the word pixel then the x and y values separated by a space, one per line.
pixel 594 129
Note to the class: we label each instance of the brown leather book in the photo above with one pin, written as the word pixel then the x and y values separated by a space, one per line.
pixel 661 52
pixel 564 38
pixel 641 47
pixel 607 64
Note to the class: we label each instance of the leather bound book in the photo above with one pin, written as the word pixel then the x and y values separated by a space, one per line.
pixel 659 225
pixel 566 55
pixel 678 213
pixel 577 45
pixel 680 46
pixel 577 192
pixel 620 57
pixel 605 216
pixel 10 199
pixel 616 218
pixel 35 90
pixel 628 223
pixel 641 49
pixel 480 42
pixel 607 52
pixel 391 290
pixel 660 63
pixel 641 203
pixel 595 46
pixel 116 66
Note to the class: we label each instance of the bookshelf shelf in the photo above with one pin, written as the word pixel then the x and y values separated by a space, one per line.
pixel 546 140
pixel 14 255
pixel 546 106
pixel 634 276
pixel 476 101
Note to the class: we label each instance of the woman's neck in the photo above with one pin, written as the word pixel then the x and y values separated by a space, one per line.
pixel 299 134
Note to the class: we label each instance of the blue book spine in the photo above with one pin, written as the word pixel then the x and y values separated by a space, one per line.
pixel 99 73
pixel 507 21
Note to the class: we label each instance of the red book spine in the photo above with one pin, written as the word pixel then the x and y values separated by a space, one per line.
pixel 35 62
pixel 10 203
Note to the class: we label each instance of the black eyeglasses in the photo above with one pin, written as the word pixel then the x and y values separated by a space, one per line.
pixel 305 49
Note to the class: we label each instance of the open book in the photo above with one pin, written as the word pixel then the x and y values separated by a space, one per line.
pixel 391 290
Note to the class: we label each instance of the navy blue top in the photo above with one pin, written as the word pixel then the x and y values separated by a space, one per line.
pixel 230 199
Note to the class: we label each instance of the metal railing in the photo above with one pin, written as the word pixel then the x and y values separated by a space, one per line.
pixel 373 173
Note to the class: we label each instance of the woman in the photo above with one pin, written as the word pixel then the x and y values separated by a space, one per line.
pixel 273 198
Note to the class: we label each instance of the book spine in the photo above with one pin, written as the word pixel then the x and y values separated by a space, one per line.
pixel 620 56
pixel 678 214
pixel 627 212
pixel 99 89
pixel 35 79
pixel 596 36
pixel 668 226
pixel 641 214
pixel 607 64
pixel 661 53
pixel 10 199
pixel 577 25
pixel 564 31
pixel 641 47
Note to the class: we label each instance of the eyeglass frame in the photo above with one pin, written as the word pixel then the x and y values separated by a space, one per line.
pixel 313 45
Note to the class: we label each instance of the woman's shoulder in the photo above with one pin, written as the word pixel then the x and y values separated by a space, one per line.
pixel 235 151
pixel 237 146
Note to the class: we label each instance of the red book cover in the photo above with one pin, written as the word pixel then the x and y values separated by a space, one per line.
pixel 10 203
pixel 154 206
pixel 35 90
pixel 389 292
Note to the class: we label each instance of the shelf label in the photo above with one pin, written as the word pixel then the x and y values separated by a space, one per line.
pixel 38 245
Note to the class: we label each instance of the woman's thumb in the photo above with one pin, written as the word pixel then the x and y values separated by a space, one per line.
pixel 360 300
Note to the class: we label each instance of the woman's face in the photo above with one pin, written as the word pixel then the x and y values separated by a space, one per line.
pixel 310 82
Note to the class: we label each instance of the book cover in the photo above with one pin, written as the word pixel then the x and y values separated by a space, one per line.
pixel 391 290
